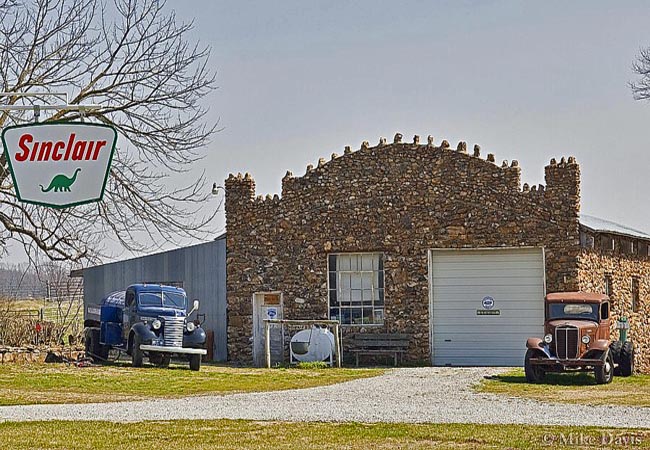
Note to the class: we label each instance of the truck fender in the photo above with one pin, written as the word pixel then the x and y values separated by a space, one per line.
pixel 601 345
pixel 195 339
pixel 538 345
pixel 146 335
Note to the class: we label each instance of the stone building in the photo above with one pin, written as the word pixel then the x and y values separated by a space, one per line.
pixel 421 238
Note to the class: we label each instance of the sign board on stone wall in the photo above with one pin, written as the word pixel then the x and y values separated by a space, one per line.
pixel 59 164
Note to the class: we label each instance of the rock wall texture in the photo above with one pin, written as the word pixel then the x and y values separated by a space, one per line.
pixel 594 266
pixel 401 200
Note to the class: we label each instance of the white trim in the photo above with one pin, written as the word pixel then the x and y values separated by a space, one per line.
pixel 180 350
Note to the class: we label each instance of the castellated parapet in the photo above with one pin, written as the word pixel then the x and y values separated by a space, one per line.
pixel 399 199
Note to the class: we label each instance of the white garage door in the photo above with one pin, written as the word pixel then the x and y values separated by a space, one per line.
pixel 484 305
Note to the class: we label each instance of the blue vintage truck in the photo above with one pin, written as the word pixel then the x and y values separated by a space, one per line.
pixel 145 320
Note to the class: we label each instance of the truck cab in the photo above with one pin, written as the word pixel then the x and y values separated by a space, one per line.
pixel 146 320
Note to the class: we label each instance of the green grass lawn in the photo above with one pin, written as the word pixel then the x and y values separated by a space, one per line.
pixel 22 384
pixel 239 434
pixel 572 388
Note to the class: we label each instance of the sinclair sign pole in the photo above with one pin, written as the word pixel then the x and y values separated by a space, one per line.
pixel 59 164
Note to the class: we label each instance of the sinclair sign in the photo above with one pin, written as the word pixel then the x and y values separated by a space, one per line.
pixel 59 164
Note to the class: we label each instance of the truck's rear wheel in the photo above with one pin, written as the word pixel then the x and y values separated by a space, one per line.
pixel 136 353
pixel 92 345
pixel 605 373
pixel 534 374
pixel 615 349
pixel 195 362
pixel 626 365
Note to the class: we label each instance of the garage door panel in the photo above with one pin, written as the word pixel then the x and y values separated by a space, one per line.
pixel 468 316
pixel 524 328
pixel 469 292
pixel 460 280
pixel 484 360
pixel 487 281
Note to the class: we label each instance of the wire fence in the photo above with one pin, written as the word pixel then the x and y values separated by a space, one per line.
pixel 41 315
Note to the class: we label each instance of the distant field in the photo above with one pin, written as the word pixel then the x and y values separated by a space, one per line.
pixel 58 383
pixel 240 434
pixel 572 388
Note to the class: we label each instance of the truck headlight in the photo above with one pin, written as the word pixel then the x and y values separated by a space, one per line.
pixel 586 339
pixel 156 324
pixel 548 338
pixel 190 327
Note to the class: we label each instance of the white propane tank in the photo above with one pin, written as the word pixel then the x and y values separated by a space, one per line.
pixel 315 344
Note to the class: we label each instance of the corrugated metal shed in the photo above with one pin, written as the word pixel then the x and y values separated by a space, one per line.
pixel 605 226
pixel 200 268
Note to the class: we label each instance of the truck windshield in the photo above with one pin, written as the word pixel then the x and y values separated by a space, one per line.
pixel 164 299
pixel 586 311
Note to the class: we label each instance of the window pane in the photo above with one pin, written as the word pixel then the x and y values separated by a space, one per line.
pixel 355 280
pixel 367 262
pixel 343 262
pixel 356 295
pixel 355 314
pixel 378 316
pixel 380 275
pixel 367 295
pixel 367 315
pixel 345 281
pixel 366 280
pixel 334 313
pixel 333 299
pixel 332 280
pixel 344 295
pixel 331 263
pixel 346 317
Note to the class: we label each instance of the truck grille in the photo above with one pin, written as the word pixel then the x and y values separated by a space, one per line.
pixel 173 331
pixel 566 342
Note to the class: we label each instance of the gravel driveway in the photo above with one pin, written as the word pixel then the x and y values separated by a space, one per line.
pixel 430 394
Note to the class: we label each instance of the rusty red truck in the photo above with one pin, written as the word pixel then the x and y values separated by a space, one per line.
pixel 577 338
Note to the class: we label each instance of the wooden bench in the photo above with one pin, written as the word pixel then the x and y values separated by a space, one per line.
pixel 379 344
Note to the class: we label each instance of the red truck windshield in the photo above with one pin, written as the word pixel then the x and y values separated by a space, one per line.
pixel 584 311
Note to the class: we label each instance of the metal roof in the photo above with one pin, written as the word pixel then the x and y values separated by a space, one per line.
pixel 605 226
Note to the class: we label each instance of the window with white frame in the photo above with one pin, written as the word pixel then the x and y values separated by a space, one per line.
pixel 356 288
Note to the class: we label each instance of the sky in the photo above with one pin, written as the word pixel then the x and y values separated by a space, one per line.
pixel 299 80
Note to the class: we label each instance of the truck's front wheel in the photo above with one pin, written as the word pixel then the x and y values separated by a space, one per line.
pixel 605 373
pixel 534 373
pixel 136 353
pixel 195 362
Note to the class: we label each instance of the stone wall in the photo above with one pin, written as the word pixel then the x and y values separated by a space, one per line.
pixel 400 199
pixel 33 354
pixel 594 265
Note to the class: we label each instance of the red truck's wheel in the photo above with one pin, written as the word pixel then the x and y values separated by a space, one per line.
pixel 534 374
pixel 626 365
pixel 605 373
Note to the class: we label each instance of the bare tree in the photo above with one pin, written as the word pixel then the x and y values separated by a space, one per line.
pixel 137 62
pixel 641 88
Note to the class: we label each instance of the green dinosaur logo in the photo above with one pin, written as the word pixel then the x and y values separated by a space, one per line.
pixel 61 183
